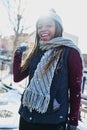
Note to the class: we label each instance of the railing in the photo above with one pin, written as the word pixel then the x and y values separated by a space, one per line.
pixel 83 107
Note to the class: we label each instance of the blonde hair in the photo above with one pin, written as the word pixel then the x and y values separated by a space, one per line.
pixel 25 64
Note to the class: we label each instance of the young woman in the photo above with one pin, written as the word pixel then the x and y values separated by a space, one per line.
pixel 52 97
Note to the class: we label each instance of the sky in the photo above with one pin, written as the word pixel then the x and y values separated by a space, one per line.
pixel 72 12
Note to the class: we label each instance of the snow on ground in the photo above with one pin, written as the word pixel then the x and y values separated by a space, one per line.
pixel 81 126
pixel 9 105
pixel 10 95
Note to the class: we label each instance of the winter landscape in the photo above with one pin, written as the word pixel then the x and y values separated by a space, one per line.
pixel 16 25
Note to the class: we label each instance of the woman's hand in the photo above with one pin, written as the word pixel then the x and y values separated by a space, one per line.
pixel 22 47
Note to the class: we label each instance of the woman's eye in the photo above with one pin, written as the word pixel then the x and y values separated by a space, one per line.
pixel 39 27
pixel 46 26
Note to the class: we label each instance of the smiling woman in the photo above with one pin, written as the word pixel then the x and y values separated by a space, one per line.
pixel 48 100
pixel 54 68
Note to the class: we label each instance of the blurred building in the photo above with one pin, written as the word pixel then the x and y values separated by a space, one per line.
pixel 72 37
pixel 76 40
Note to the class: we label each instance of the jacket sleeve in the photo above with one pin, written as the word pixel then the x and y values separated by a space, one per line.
pixel 17 74
pixel 75 83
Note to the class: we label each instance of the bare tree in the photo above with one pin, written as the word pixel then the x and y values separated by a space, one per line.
pixel 15 12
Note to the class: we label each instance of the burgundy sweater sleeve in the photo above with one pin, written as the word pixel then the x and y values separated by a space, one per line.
pixel 17 74
pixel 75 81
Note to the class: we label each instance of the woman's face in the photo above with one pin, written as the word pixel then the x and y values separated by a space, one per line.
pixel 46 29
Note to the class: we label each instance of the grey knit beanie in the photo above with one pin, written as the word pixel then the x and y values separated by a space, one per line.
pixel 52 14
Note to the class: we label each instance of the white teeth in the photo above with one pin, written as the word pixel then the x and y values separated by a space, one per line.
pixel 44 35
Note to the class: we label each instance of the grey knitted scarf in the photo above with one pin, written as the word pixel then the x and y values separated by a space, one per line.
pixel 37 94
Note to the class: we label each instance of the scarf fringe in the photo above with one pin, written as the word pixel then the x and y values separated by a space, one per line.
pixel 30 100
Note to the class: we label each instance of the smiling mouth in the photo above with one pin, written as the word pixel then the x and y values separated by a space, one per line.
pixel 45 34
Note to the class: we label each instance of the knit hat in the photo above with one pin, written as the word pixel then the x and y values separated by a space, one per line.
pixel 52 14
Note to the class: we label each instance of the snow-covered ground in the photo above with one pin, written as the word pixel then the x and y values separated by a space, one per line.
pixel 9 105
pixel 10 95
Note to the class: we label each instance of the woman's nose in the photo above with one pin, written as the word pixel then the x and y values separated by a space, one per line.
pixel 44 28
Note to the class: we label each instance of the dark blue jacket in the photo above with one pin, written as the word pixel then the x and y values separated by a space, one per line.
pixel 59 90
